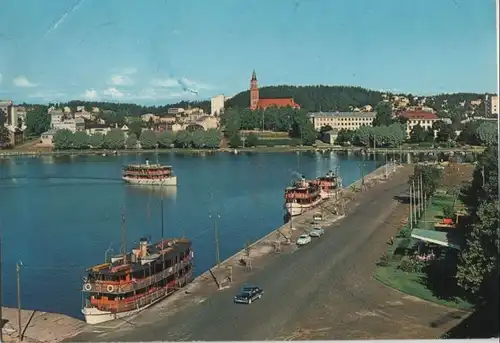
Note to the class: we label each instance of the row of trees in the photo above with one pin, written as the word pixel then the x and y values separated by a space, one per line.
pixel 393 135
pixel 478 265
pixel 116 139
pixel 284 119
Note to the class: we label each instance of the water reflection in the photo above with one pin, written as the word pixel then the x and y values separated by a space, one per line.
pixel 167 192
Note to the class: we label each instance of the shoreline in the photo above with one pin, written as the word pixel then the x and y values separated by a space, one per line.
pixel 276 149
pixel 40 326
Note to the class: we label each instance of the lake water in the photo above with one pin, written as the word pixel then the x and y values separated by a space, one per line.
pixel 59 215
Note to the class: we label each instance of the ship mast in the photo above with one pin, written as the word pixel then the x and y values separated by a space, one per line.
pixel 124 237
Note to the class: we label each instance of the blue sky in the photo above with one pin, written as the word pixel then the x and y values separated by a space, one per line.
pixel 163 51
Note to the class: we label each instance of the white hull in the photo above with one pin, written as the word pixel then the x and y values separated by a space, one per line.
pixel 171 181
pixel 94 316
pixel 296 209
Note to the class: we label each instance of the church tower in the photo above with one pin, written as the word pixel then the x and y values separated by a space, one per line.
pixel 254 92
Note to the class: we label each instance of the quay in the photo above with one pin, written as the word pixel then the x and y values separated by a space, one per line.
pixel 300 283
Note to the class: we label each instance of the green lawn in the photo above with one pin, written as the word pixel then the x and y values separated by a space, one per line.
pixel 413 284
pixel 417 284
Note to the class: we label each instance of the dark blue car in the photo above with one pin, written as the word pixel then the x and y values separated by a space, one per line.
pixel 248 294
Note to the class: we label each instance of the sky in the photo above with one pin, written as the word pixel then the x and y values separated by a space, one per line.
pixel 164 51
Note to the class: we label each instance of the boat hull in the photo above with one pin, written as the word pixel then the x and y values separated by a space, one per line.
pixel 296 209
pixel 327 194
pixel 170 181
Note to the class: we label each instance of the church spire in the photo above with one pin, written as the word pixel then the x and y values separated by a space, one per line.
pixel 254 76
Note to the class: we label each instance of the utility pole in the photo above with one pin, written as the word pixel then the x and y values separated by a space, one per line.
pixel 411 211
pixel 216 232
pixel 18 276
pixel 422 192
pixel 413 186
pixel 418 197
pixel 1 279
pixel 124 237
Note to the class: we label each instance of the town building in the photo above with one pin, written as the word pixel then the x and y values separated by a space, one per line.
pixel 217 105
pixel 341 120
pixel 175 110
pixel 491 103
pixel 11 122
pixel 423 118
pixel 256 102
pixel 47 138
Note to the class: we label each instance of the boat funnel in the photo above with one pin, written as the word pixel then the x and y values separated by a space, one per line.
pixel 147 162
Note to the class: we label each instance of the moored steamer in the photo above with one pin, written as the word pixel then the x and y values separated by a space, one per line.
pixel 301 197
pixel 149 174
pixel 134 281
pixel 328 184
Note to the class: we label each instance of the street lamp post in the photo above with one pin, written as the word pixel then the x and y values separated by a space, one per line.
pixel 19 264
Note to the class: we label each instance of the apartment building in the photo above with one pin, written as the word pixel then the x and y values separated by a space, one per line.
pixel 341 120
pixel 423 118
pixel 491 105
pixel 217 105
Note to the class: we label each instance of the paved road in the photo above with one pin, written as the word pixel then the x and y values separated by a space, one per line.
pixel 320 291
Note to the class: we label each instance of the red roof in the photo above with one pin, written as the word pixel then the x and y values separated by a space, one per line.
pixel 265 103
pixel 419 115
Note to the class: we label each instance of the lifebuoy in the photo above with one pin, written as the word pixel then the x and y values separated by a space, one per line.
pixel 110 288
pixel 87 287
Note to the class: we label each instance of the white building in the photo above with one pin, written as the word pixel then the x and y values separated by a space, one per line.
pixel 341 120
pixel 423 118
pixel 217 105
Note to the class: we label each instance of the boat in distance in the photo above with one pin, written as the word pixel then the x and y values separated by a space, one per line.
pixel 302 196
pixel 134 281
pixel 329 183
pixel 149 174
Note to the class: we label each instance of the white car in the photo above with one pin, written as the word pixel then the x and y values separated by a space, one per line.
pixel 317 232
pixel 303 239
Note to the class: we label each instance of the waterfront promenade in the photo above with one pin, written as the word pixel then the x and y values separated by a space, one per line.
pixel 320 291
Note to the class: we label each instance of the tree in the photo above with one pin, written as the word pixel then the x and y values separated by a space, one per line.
pixel 345 137
pixel 194 127
pixel 81 140
pixel 252 140
pixel 182 139
pixel 302 128
pixel 198 139
pixel 136 128
pixel 431 177
pixel 131 141
pixel 445 132
pixel 383 115
pixel 469 135
pixel 212 138
pixel 362 136
pixel 63 139
pixel 487 133
pixel 477 270
pixel 419 135
pixel 97 140
pixel 115 139
pixel 148 139
pixel 4 136
pixel 166 139
pixel 37 121
pixel 396 134
pixel 235 141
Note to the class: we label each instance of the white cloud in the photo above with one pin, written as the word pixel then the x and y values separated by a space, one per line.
pixel 194 84
pixel 113 93
pixel 120 80
pixel 165 83
pixel 91 94
pixel 22 81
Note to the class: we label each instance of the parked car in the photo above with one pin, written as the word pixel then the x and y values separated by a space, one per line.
pixel 303 239
pixel 317 232
pixel 248 294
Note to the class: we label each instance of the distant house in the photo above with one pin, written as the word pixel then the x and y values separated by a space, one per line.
pixel 93 128
pixel 47 138
pixel 330 137
pixel 423 118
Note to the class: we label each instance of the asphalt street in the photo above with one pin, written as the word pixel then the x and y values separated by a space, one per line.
pixel 320 291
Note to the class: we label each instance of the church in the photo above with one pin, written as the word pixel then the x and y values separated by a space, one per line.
pixel 257 102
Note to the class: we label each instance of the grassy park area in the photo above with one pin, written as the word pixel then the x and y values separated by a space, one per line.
pixel 421 268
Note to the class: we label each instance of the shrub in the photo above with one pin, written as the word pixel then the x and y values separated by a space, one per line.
pixel 384 260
